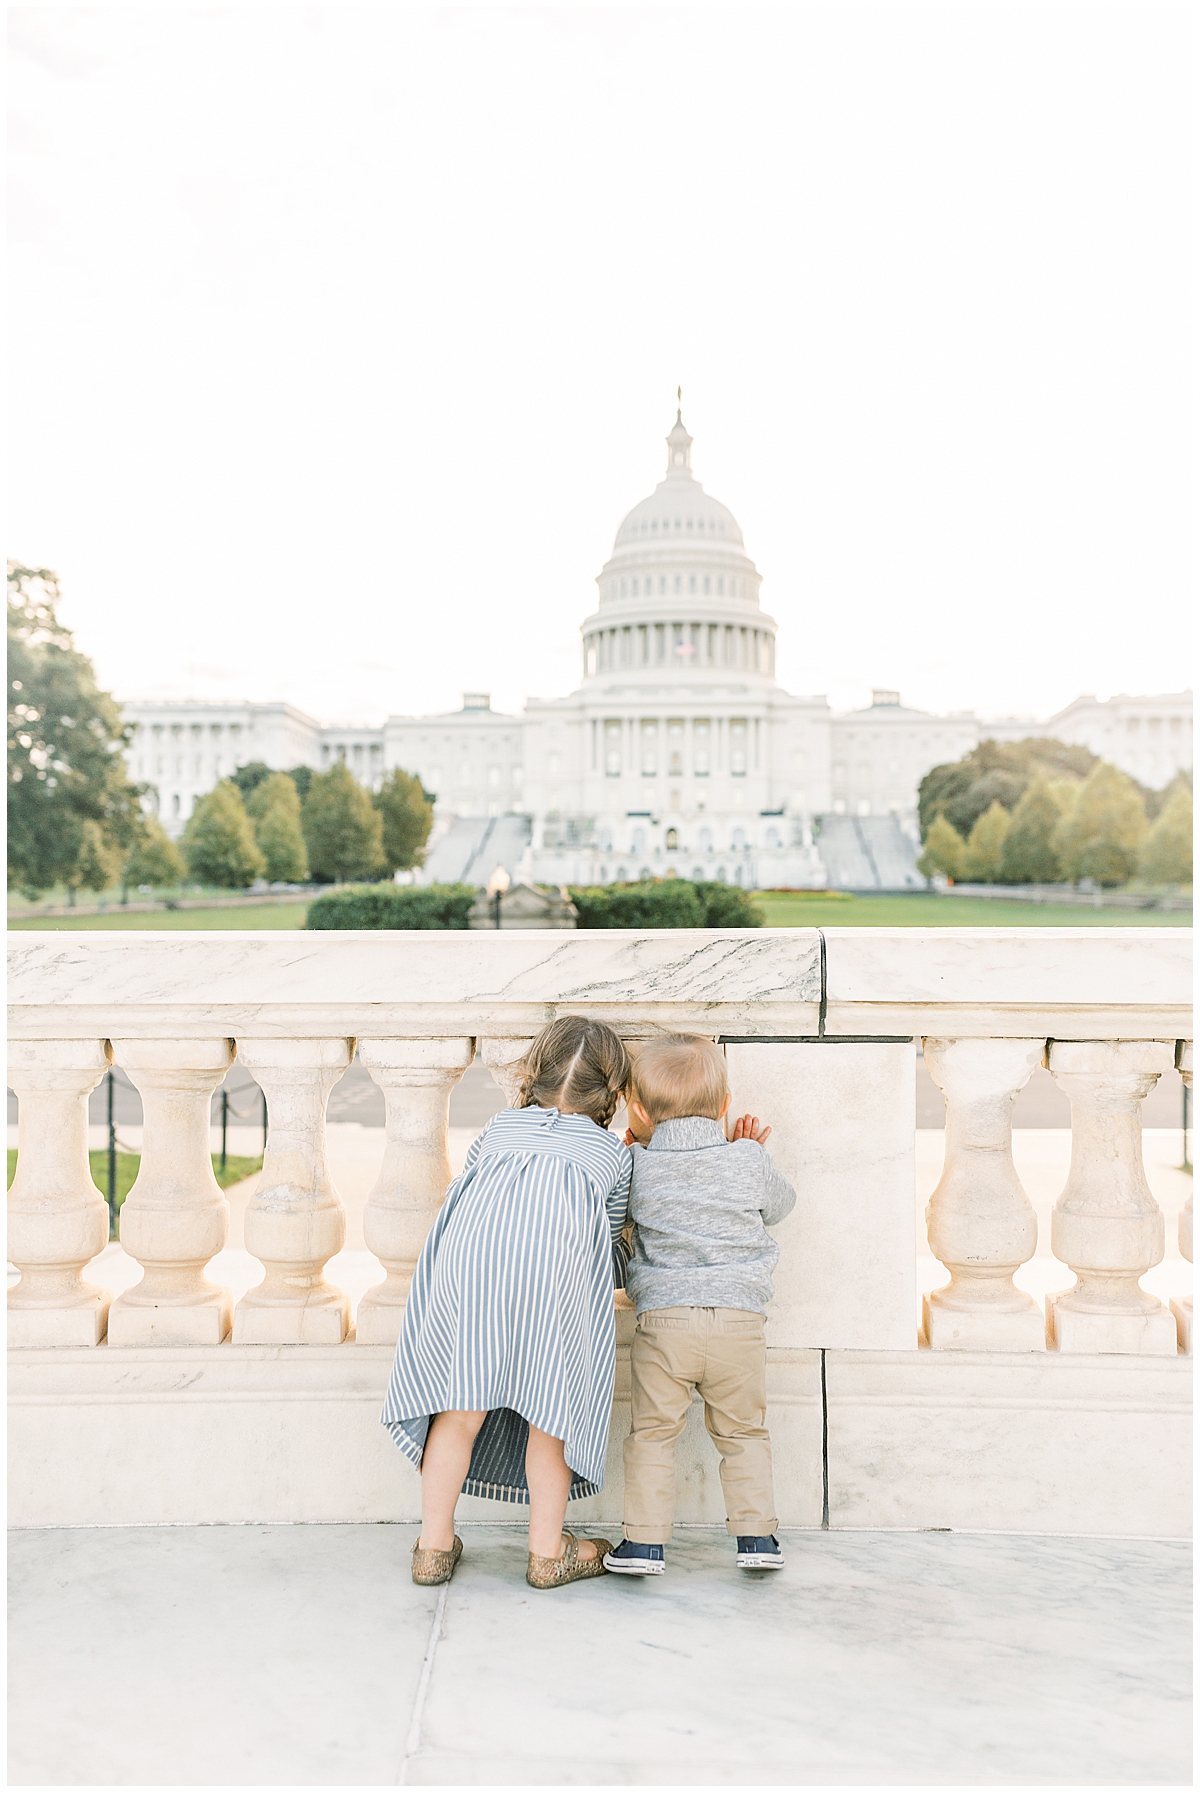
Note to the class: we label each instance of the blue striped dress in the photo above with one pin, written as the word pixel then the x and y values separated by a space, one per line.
pixel 511 1306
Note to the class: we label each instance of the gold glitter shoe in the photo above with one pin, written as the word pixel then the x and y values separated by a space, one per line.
pixel 557 1571
pixel 429 1567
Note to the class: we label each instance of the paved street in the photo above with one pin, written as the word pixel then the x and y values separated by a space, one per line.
pixel 299 1655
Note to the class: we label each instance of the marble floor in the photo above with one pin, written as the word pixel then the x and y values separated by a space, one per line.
pixel 303 1656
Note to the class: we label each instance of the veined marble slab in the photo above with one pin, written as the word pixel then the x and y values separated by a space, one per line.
pixel 380 985
pixel 1066 983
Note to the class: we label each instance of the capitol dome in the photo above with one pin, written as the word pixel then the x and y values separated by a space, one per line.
pixel 679 590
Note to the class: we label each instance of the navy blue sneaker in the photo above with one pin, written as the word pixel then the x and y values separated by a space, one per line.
pixel 636 1559
pixel 759 1553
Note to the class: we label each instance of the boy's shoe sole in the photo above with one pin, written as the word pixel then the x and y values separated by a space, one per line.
pixel 633 1566
pixel 756 1560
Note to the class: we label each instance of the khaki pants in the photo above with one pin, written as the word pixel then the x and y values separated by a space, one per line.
pixel 722 1352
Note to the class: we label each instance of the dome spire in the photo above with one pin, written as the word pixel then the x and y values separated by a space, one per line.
pixel 679 445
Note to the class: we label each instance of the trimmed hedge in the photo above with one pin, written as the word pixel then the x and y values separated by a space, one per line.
pixel 665 903
pixel 393 906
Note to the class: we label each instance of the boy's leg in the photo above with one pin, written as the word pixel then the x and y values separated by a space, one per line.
pixel 664 1363
pixel 734 1388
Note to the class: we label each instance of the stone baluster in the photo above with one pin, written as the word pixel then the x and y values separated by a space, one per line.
pixel 503 1059
pixel 295 1221
pixel 1181 1307
pixel 1106 1224
pixel 175 1217
pixel 57 1220
pixel 416 1077
pixel 981 1222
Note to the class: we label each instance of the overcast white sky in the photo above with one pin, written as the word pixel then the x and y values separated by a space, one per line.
pixel 344 337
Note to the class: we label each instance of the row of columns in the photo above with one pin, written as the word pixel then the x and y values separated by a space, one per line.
pixel 1107 1226
pixel 175 1218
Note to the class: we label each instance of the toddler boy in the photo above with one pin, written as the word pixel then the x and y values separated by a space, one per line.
pixel 700 1278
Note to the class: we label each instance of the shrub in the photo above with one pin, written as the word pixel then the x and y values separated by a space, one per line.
pixel 393 906
pixel 728 906
pixel 656 903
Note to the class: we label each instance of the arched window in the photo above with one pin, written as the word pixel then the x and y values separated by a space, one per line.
pixel 645 872
pixel 706 840
pixel 698 874
pixel 738 839
pixel 772 837
pixel 672 839
pixel 639 840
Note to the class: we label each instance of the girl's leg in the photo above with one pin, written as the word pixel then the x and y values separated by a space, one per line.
pixel 443 1471
pixel 549 1484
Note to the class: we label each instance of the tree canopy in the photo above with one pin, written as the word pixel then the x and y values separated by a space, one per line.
pixel 274 808
pixel 407 813
pixel 154 859
pixel 343 830
pixel 1028 855
pixel 995 772
pixel 1166 856
pixel 218 841
pixel 1101 836
pixel 943 850
pixel 66 749
pixel 247 778
pixel 983 853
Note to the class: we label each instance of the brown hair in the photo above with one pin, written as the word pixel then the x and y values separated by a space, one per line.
pixel 680 1074
pixel 579 1062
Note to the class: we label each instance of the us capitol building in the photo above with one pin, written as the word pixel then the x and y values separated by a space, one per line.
pixel 679 754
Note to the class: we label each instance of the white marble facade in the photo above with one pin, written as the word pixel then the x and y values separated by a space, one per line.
pixel 679 751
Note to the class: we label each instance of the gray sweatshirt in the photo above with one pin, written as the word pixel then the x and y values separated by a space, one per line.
pixel 700 1206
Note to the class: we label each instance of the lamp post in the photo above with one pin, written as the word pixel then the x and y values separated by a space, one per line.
pixel 497 884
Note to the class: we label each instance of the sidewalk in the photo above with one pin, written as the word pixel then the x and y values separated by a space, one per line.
pixel 270 1656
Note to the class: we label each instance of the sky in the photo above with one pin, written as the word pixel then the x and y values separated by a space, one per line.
pixel 343 337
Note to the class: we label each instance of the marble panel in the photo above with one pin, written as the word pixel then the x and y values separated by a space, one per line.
pixel 1032 1443
pixel 377 985
pixel 1065 983
pixel 289 1434
pixel 841 1115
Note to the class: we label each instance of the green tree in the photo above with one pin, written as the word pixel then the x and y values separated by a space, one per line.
pixel 995 772
pixel 407 813
pixel 1028 855
pixel 218 841
pixel 248 778
pixel 342 828
pixel 274 807
pixel 983 853
pixel 1101 836
pixel 66 747
pixel 1166 856
pixel 301 777
pixel 98 863
pixel 943 850
pixel 154 858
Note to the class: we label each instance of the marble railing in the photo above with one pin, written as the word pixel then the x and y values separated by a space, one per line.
pixel 820 1033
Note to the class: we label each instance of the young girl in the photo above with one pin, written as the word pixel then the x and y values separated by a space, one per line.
pixel 503 1379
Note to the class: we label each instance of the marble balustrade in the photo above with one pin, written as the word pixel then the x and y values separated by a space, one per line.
pixel 1102 1010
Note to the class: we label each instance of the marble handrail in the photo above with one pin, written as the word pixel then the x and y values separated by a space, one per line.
pixel 1097 1005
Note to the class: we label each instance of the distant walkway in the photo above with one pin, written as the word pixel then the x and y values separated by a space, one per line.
pixel 266 1656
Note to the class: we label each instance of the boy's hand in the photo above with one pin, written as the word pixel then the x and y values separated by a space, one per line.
pixel 747 1126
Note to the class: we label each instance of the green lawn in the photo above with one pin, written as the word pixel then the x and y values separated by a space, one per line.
pixel 256 915
pixel 128 1164
pixel 780 909
pixel 788 909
